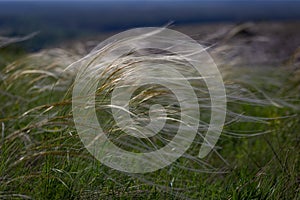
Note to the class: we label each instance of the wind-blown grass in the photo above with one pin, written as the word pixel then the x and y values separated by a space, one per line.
pixel 42 156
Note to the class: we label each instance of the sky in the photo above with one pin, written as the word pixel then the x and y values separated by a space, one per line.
pixel 162 0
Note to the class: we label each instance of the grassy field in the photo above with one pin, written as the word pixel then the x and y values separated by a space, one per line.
pixel 42 157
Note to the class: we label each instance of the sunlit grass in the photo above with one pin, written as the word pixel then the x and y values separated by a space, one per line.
pixel 42 156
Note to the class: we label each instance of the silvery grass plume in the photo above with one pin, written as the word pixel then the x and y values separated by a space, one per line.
pixel 5 41
pixel 37 116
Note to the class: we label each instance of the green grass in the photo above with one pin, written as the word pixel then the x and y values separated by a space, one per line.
pixel 42 157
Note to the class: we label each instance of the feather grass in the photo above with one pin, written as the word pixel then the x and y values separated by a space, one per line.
pixel 39 144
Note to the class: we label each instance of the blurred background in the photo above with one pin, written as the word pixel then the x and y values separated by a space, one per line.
pixel 57 21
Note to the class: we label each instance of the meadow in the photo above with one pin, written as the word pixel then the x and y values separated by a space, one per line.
pixel 42 156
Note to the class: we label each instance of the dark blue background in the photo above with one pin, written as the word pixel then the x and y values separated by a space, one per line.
pixel 58 20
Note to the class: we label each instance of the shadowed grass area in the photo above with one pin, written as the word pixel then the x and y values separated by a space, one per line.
pixel 42 157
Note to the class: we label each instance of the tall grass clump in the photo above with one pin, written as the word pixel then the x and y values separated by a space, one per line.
pixel 42 155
